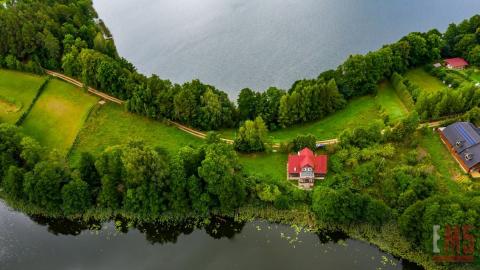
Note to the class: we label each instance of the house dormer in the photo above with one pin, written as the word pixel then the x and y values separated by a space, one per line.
pixel 459 144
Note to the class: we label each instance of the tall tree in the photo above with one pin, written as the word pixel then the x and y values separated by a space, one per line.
pixel 220 171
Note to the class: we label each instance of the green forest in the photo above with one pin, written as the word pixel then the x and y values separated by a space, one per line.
pixel 384 175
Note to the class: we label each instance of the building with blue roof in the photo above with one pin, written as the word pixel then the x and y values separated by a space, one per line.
pixel 463 141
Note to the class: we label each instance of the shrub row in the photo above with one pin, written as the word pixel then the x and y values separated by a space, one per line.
pixel 402 91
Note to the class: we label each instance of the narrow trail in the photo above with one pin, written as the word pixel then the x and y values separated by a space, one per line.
pixel 191 131
pixel 79 84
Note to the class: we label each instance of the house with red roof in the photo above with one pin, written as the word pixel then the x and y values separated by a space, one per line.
pixel 456 63
pixel 305 167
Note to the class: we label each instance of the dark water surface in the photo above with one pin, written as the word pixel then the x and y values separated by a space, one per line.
pixel 234 44
pixel 39 243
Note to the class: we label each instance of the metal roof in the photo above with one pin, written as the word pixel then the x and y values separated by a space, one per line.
pixel 465 139
pixel 471 156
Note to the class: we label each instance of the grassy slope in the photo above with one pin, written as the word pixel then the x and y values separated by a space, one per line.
pixel 17 91
pixel 359 112
pixel 391 102
pixel 58 115
pixel 449 170
pixel 110 125
pixel 424 80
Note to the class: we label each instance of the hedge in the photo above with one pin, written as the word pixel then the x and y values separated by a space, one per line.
pixel 402 91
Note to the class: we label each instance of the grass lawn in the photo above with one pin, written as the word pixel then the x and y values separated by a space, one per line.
pixel 472 72
pixel 359 112
pixel 475 75
pixel 449 170
pixel 425 81
pixel 58 115
pixel 110 125
pixel 273 165
pixel 391 102
pixel 17 90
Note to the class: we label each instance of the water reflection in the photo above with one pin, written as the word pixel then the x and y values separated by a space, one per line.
pixel 155 232
pixel 36 242
pixel 63 226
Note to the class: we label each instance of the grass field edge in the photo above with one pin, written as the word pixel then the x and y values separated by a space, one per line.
pixel 40 90
pixel 92 109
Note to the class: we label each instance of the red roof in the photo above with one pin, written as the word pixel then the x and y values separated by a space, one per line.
pixel 306 158
pixel 456 62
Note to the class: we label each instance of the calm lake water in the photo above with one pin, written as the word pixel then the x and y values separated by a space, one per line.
pixel 39 243
pixel 234 44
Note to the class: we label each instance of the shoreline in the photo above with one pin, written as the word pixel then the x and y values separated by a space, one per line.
pixel 386 238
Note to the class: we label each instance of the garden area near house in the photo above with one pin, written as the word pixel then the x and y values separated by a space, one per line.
pixel 448 170
pixel 17 91
pixel 271 165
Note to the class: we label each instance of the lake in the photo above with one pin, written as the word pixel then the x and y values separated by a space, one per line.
pixel 234 44
pixel 40 243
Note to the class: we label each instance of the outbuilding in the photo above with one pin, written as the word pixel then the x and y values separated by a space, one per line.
pixel 456 63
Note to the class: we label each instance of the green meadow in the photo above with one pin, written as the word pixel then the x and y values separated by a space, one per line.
pixel 358 112
pixel 425 81
pixel 110 125
pixel 17 91
pixel 270 165
pixel 58 115
pixel 390 102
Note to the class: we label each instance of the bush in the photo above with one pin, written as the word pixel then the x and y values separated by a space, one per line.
pixel 344 207
pixel 283 202
pixel 13 183
pixel 11 62
pixel 302 141
pixel 267 193
pixel 252 136
pixel 76 197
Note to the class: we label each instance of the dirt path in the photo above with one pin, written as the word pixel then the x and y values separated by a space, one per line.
pixel 79 84
pixel 194 132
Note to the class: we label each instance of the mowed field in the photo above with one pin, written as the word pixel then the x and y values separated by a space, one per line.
pixel 17 91
pixel 58 115
pixel 390 102
pixel 110 125
pixel 425 81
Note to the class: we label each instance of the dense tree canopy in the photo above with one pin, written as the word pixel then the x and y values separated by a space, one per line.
pixel 67 36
